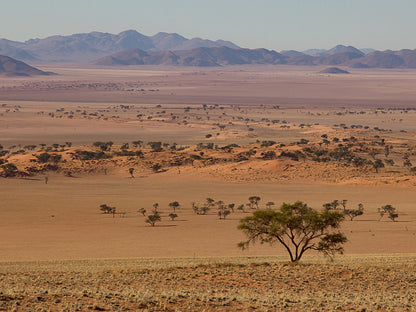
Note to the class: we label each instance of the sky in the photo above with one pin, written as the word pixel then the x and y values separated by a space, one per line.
pixel 272 24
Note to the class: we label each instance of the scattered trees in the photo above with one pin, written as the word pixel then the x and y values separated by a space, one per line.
pixel 297 227
pixel 156 146
pixel 200 210
pixel 222 213
pixel 104 146
pixel 9 170
pixel 351 213
pixel 388 210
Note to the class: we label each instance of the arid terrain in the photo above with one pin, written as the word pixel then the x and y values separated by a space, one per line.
pixel 129 138
pixel 365 283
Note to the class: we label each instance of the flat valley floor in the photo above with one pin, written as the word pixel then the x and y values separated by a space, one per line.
pixel 46 226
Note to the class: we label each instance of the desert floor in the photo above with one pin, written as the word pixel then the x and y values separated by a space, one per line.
pixel 194 256
pixel 62 220
pixel 351 283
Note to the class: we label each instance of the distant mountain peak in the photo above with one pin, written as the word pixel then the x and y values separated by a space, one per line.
pixel 85 47
pixel 129 32
pixel 342 49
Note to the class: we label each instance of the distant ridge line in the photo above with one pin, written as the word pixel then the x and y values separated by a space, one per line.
pixel 133 48
pixel 223 56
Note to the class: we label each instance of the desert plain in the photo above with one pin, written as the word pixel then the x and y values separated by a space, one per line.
pixel 278 132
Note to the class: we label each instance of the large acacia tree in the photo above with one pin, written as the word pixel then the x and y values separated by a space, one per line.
pixel 297 227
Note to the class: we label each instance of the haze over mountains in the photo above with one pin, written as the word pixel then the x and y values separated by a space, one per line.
pixel 91 46
pixel 132 48
pixel 222 56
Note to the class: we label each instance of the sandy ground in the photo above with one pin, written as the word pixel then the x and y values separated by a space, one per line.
pixel 243 85
pixel 61 220
pixel 58 252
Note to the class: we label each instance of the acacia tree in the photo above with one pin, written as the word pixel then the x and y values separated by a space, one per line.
pixel 297 227
pixel 377 164
pixel 155 207
pixel 241 207
pixel 108 209
pixel 254 201
pixel 269 204
pixel 210 202
pixel 131 171
pixel 352 213
pixel 172 216
pixel 390 211
pixel 174 205
pixel 332 205
pixel 223 213
pixel 152 219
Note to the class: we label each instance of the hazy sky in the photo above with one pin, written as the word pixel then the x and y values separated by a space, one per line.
pixel 272 24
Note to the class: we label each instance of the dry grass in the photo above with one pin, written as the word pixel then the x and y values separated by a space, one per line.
pixel 353 283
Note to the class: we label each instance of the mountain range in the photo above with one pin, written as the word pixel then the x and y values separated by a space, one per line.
pixel 222 56
pixel 82 48
pixel 133 48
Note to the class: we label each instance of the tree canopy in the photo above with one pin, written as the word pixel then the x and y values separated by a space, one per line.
pixel 297 227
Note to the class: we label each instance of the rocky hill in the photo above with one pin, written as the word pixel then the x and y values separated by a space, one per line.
pixel 11 67
pixel 334 70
